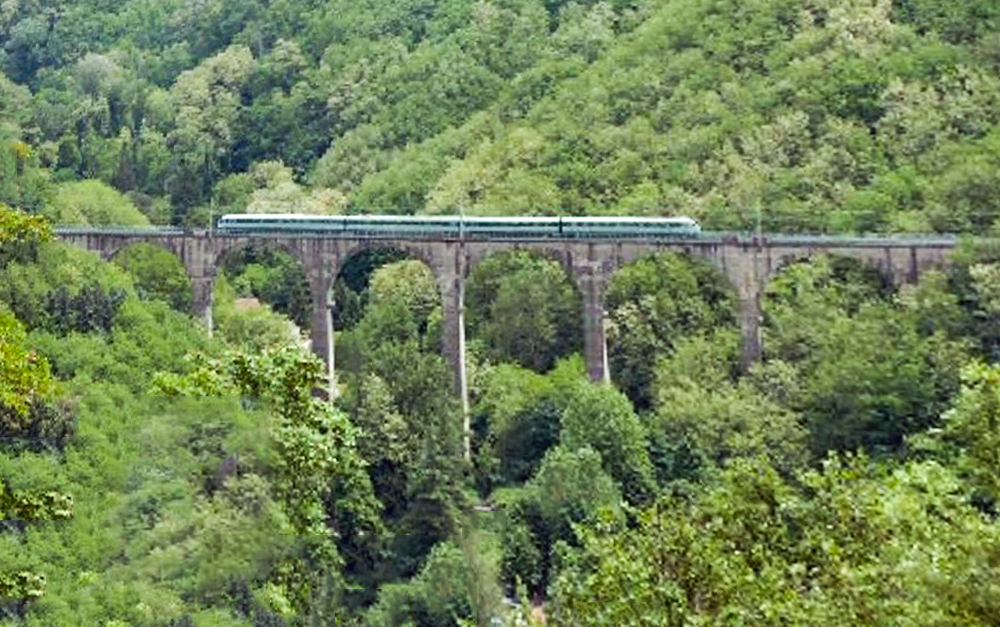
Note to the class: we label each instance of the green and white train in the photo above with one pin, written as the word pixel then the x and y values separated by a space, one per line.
pixel 460 227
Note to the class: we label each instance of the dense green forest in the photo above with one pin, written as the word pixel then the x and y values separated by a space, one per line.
pixel 858 115
pixel 155 475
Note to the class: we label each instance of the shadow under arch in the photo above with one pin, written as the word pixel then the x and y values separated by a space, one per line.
pixel 360 263
pixel 108 253
pixel 658 300
pixel 875 268
pixel 271 270
pixel 387 301
pixel 418 250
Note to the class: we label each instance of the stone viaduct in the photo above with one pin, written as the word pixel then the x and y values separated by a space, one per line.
pixel 748 262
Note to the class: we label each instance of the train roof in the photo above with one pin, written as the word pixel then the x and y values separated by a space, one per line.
pixel 296 217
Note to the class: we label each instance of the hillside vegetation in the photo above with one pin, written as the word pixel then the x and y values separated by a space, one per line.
pixel 828 115
pixel 153 474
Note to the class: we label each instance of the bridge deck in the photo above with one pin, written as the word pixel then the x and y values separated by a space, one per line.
pixel 708 237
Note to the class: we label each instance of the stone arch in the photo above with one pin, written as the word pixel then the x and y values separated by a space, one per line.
pixel 312 298
pixel 227 246
pixel 109 251
pixel 355 250
pixel 560 252
pixel 431 255
pixel 868 280
pixel 659 275
pixel 898 265
pixel 112 253
pixel 570 332
pixel 691 254
pixel 422 251
pixel 844 259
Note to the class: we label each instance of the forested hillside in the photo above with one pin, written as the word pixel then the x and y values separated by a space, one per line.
pixel 153 474
pixel 858 115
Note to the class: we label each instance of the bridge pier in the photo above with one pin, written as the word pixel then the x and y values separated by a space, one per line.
pixel 452 286
pixel 201 300
pixel 595 340
pixel 749 314
pixel 321 334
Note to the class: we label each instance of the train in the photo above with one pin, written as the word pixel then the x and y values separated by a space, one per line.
pixel 459 227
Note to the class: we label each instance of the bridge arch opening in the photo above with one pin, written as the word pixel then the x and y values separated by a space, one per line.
pixel 393 380
pixel 384 295
pixel 523 307
pixel 851 357
pixel 667 304
pixel 261 295
pixel 158 272
pixel 802 293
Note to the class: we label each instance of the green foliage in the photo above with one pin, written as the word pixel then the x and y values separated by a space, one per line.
pixel 456 584
pixel 25 376
pixel 601 418
pixel 146 337
pixel 20 235
pixel 411 284
pixel 316 473
pixel 26 389
pixel 850 543
pixel 867 374
pixel 831 117
pixel 569 488
pixel 420 388
pixel 826 116
pixel 163 520
pixel 94 203
pixel 252 326
pixel 974 282
pixel 525 309
pixel 90 309
pixel 66 288
pixel 961 23
pixel 24 184
pixel 700 428
pixel 350 290
pixel 21 585
pixel 158 274
pixel 28 506
pixel 971 430
pixel 654 304
pixel 29 414
pixel 273 277
pixel 207 105
pixel 398 389
pixel 519 415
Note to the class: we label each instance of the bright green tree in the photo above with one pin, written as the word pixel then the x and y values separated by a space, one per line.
pixel 849 543
pixel 653 304
pixel 601 418
pixel 93 203
pixel 316 473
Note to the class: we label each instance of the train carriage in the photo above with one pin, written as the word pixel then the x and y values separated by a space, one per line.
pixel 467 227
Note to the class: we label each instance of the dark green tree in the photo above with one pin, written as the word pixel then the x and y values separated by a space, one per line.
pixel 525 309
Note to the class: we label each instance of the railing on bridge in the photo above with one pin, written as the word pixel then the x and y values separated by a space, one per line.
pixel 124 230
